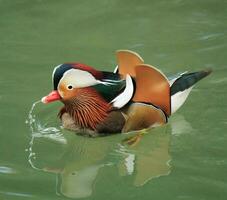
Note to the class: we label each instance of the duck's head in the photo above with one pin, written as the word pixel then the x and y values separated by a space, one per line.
pixel 68 78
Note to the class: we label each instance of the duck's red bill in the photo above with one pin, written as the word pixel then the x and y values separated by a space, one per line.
pixel 53 96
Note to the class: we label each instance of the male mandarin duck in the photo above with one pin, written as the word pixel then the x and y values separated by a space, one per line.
pixel 135 96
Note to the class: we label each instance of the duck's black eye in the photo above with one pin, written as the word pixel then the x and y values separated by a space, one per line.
pixel 70 87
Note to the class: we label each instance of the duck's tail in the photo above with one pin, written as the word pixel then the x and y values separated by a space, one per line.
pixel 182 85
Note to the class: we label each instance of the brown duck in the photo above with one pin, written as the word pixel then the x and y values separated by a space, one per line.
pixel 135 96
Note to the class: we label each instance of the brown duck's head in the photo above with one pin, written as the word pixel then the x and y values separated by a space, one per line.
pixel 73 85
pixel 69 79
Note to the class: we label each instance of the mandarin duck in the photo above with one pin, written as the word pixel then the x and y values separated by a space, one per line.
pixel 135 96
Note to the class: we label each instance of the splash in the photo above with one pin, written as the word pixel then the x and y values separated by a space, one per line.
pixel 35 124
pixel 31 117
pixel 41 126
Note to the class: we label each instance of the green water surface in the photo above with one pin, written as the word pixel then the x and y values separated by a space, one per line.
pixel 186 159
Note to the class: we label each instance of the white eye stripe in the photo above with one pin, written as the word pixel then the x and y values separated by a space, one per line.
pixel 106 83
pixel 78 78
pixel 111 81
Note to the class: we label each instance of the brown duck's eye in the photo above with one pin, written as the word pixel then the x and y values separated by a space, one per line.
pixel 70 87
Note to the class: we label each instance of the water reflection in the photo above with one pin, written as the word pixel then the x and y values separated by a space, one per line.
pixel 78 160
pixel 180 126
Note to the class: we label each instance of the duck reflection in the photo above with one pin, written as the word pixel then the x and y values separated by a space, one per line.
pixel 78 160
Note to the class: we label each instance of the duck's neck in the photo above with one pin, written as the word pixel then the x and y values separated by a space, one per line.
pixel 87 108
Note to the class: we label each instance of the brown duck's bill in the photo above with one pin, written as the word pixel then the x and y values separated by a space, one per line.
pixel 53 96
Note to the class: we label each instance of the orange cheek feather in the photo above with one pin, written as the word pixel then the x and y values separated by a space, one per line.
pixel 65 93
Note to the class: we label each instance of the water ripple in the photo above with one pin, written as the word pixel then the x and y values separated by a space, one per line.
pixel 16 194
pixel 211 36
pixel 7 170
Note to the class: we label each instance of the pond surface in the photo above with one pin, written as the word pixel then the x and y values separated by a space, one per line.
pixel 186 159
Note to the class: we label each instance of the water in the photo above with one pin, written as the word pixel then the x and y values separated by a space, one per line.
pixel 185 159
